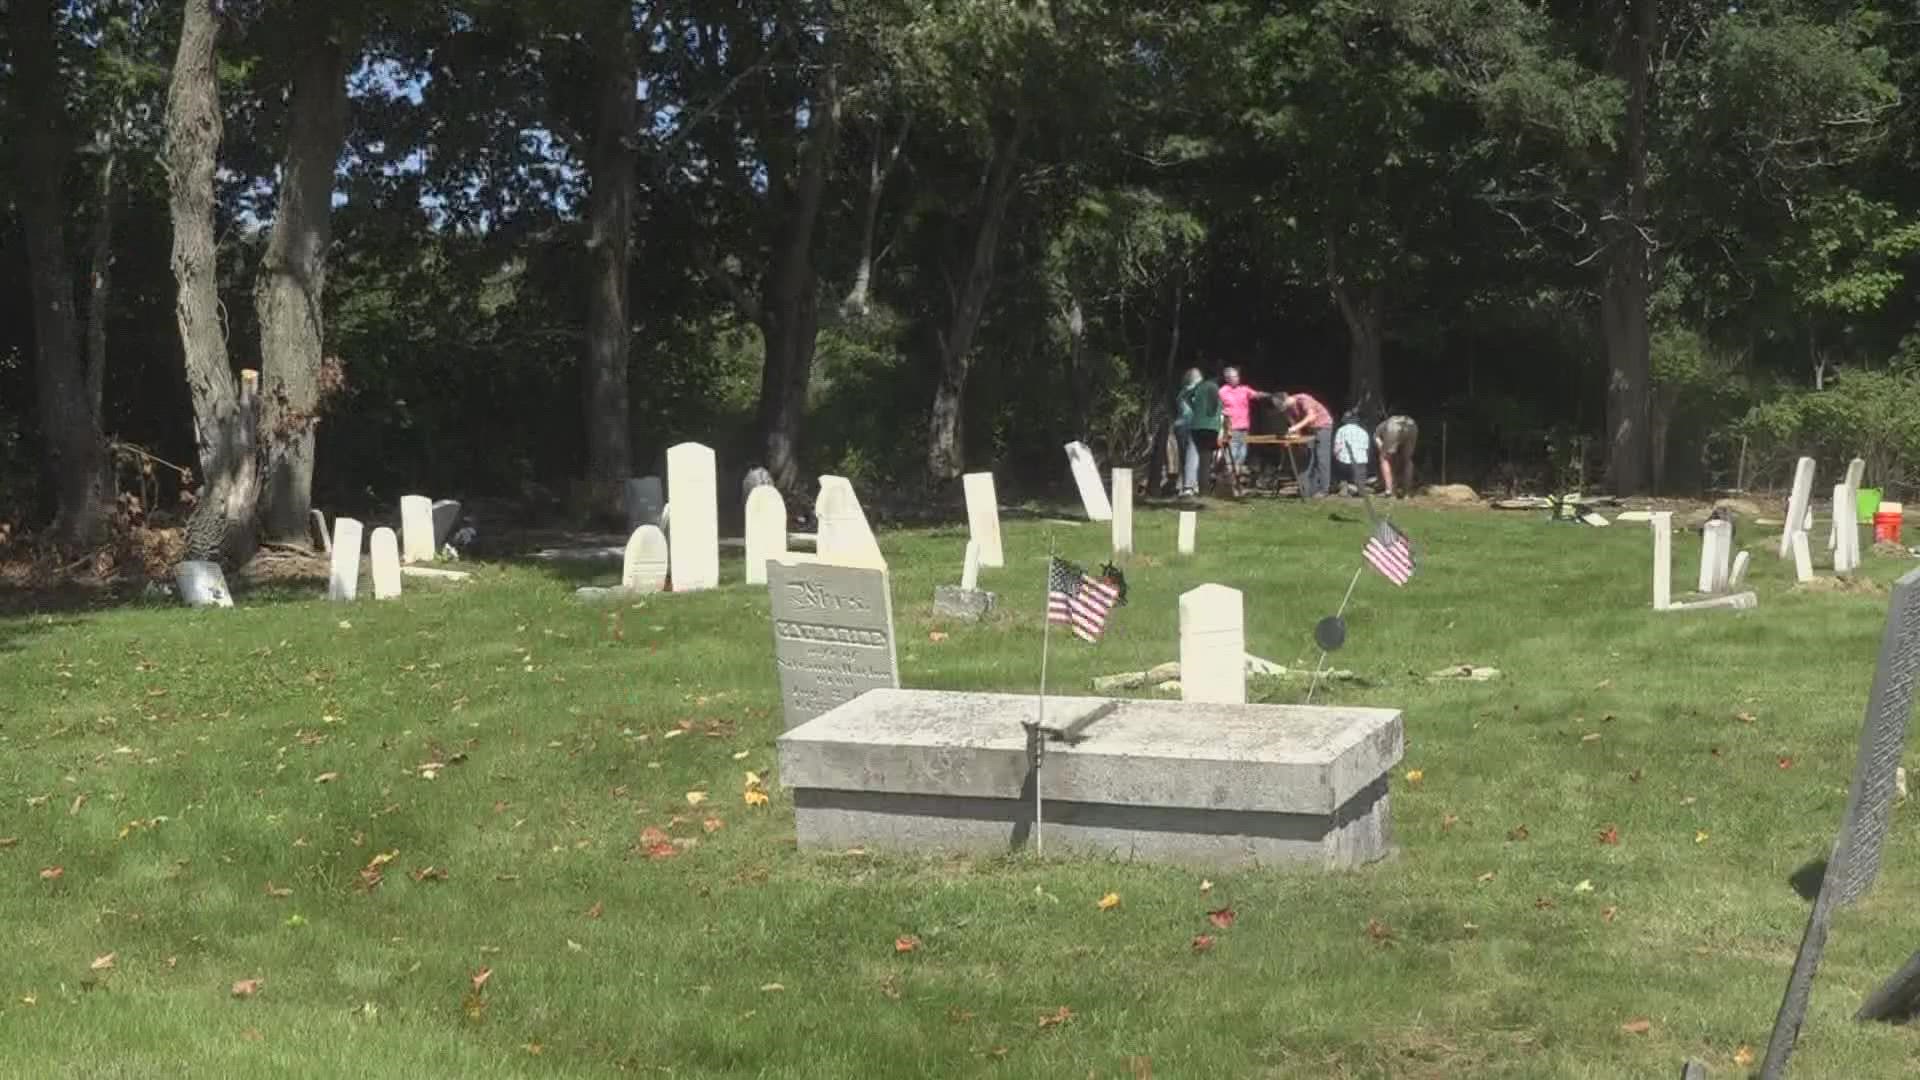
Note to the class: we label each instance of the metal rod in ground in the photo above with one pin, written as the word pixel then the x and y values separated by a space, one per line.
pixel 1320 665
pixel 1040 724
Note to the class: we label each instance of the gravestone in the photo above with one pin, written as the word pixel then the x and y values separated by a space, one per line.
pixel 766 530
pixel 645 498
pixel 202 584
pixel 1855 861
pixel 1662 524
pixel 1715 540
pixel 966 601
pixel 970 566
pixel 1086 476
pixel 983 517
pixel 645 564
pixel 1846 549
pixel 832 635
pixel 1802 558
pixel 343 579
pixel 695 536
pixel 756 477
pixel 843 535
pixel 446 514
pixel 1189 524
pixel 1738 575
pixel 1856 473
pixel 1213 645
pixel 384 553
pixel 317 527
pixel 416 529
pixel 1797 504
pixel 1122 512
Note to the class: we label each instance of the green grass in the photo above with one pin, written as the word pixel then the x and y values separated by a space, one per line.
pixel 554 718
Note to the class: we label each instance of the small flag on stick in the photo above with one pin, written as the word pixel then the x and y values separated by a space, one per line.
pixel 1389 551
pixel 1077 600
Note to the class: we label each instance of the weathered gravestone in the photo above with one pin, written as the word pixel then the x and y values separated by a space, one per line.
pixel 1189 524
pixel 1715 540
pixel 1846 534
pixel 343 579
pixel 1086 476
pixel 967 601
pixel 643 568
pixel 645 499
pixel 416 529
pixel 695 536
pixel 832 635
pixel 317 526
pixel 1802 558
pixel 1213 645
pixel 202 584
pixel 983 517
pixel 1122 512
pixel 1738 575
pixel 384 553
pixel 844 536
pixel 1797 504
pixel 446 514
pixel 766 530
pixel 1856 473
pixel 1662 523
pixel 1855 862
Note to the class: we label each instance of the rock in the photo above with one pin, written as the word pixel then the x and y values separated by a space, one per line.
pixel 1164 672
pixel 1257 666
pixel 1465 673
pixel 967 605
pixel 1126 680
pixel 595 595
pixel 1453 493
pixel 1171 686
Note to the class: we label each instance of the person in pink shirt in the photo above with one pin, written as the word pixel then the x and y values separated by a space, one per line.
pixel 1310 418
pixel 1236 400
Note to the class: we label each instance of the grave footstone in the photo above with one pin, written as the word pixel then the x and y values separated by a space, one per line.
pixel 695 536
pixel 1797 504
pixel 645 498
pixel 416 529
pixel 1086 476
pixel 202 584
pixel 1855 860
pixel 317 529
pixel 1122 512
pixel 766 530
pixel 983 517
pixel 343 580
pixel 644 567
pixel 1662 524
pixel 966 601
pixel 833 635
pixel 446 514
pixel 1213 645
pixel 843 535
pixel 383 551
pixel 1189 524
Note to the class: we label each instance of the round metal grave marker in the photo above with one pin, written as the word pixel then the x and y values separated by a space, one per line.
pixel 1330 633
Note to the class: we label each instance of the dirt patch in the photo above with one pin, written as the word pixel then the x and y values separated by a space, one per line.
pixel 1858 586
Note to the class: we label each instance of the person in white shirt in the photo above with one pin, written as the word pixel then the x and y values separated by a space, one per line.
pixel 1351 446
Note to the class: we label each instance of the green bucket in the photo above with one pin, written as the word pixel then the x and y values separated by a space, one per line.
pixel 1869 502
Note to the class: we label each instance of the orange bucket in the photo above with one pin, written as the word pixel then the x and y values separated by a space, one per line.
pixel 1886 526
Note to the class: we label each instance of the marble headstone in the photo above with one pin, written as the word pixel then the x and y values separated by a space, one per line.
pixel 1122 512
pixel 1213 645
pixel 1802 557
pixel 202 584
pixel 645 565
pixel 1662 524
pixel 317 526
pixel 416 529
pixel 832 635
pixel 766 530
pixel 1738 575
pixel 1715 541
pixel 843 535
pixel 384 553
pixel 983 517
pixel 1797 504
pixel 970 568
pixel 1189 524
pixel 695 537
pixel 1086 476
pixel 343 581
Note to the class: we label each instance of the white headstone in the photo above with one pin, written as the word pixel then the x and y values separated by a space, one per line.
pixel 1715 540
pixel 1738 575
pixel 202 584
pixel 1086 476
pixel 1189 524
pixel 384 552
pixel 446 514
pixel 766 531
pixel 970 570
pixel 645 500
pixel 1123 511
pixel 645 567
pixel 1802 557
pixel 844 537
pixel 317 525
pixel 343 582
pixel 1856 472
pixel 695 538
pixel 983 517
pixel 1213 646
pixel 416 528
pixel 1662 524
pixel 1846 550
pixel 1797 503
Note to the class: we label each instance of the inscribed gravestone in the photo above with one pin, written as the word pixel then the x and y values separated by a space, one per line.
pixel 832 635
pixel 1662 524
pixel 983 517
pixel 1797 504
pixel 1189 524
pixel 766 531
pixel 384 553
pixel 1086 476
pixel 645 499
pixel 644 569
pixel 1213 645
pixel 844 536
pixel 343 580
pixel 1123 511
pixel 446 514
pixel 416 528
pixel 1855 861
pixel 695 539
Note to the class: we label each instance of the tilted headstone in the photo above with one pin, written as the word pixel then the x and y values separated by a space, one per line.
pixel 1123 511
pixel 766 530
pixel 645 498
pixel 970 567
pixel 343 579
pixel 1086 476
pixel 645 565
pixel 1850 512
pixel 1213 645
pixel 1797 504
pixel 843 535
pixel 1802 558
pixel 416 529
pixel 1855 861
pixel 384 553
pixel 983 517
pixel 832 635
pixel 1738 575
pixel 695 537
pixel 1189 524
pixel 317 526
pixel 202 584
pixel 1662 524
pixel 446 514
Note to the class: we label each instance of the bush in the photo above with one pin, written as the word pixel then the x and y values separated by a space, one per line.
pixel 1874 415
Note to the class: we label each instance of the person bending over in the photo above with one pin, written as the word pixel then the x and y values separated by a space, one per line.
pixel 1395 438
pixel 1312 420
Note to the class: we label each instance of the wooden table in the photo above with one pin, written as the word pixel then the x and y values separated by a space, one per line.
pixel 1289 443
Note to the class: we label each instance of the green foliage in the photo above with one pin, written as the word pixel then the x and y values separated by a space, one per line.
pixel 1872 414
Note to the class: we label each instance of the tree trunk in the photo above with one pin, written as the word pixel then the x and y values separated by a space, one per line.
pixel 223 526
pixel 292 278
pixel 610 161
pixel 100 295
pixel 1364 311
pixel 790 305
pixel 70 425
pixel 946 443
pixel 880 165
pixel 1660 421
pixel 1079 372
pixel 1623 301
pixel 1163 408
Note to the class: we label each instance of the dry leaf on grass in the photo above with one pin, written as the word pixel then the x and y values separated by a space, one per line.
pixel 326 778
pixel 278 892
pixel 1380 932
pixel 1700 836
pixel 1448 821
pixel 1222 918
pixel 1109 902
pixel 52 873
pixel 1637 1027
pixel 1607 913
pixel 713 825
pixel 1056 1018
pixel 1517 834
pixel 9 841
pixel 695 798
pixel 480 978
pixel 1202 942
pixel 246 988
pixel 429 873
pixel 1486 877
pixel 596 910
pixel 1609 835
pixel 1206 886
pixel 771 988
pixel 1743 1057
pixel 905 943
pixel 937 636
pixel 102 963
pixel 1414 776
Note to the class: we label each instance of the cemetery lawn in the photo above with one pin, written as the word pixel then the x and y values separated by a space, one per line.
pixel 222 849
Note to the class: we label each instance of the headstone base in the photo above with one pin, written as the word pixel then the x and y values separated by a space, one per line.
pixel 954 602
pixel 1735 602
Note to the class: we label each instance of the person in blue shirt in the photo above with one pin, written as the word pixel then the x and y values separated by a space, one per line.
pixel 1351 445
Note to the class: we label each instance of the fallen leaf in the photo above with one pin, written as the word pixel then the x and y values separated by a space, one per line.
pixel 1414 776
pixel 1448 821
pixel 246 988
pixel 755 797
pixel 535 1049
pixel 429 873
pixel 652 835
pixel 1607 913
pixel 1486 877
pixel 101 963
pixel 1202 942
pixel 1518 833
pixel 9 841
pixel 596 910
pixel 771 988
pixel 1056 1018
pixel 52 873
pixel 1609 835
pixel 278 892
pixel 1543 903
pixel 1634 776
pixel 1786 762
pixel 937 636
pixel 713 825
pixel 1222 918
pixel 1743 1057
pixel 1380 932
pixel 905 943
pixel 326 778
pixel 79 801
pixel 1637 1027
pixel 1109 902
pixel 1585 886
pixel 1745 717
pixel 1591 736
pixel 1700 836
pixel 1205 886
pixel 480 978
pixel 742 755
pixel 1141 1066
pixel 574 946
pixel 695 798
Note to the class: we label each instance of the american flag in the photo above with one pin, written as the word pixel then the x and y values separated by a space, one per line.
pixel 1389 551
pixel 1079 601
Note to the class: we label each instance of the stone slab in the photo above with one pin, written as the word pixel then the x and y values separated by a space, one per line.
pixel 833 636
pixel 343 578
pixel 970 567
pixel 384 555
pixel 1797 504
pixel 845 536
pixel 645 562
pixel 1802 556
pixel 1212 643
pixel 416 529
pixel 695 522
pixel 1189 525
pixel 960 602
pixel 766 530
pixel 918 770
pixel 1086 477
pixel 983 518
pixel 434 573
pixel 1745 601
pixel 1662 527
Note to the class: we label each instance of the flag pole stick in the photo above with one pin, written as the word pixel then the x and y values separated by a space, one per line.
pixel 1039 735
pixel 1320 665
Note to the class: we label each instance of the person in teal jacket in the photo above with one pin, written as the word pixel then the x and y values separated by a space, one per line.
pixel 1200 404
